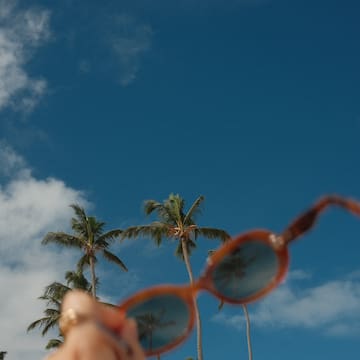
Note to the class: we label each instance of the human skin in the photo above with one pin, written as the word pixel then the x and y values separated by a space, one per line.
pixel 106 334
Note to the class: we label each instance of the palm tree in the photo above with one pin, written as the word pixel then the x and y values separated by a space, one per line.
pixel 173 222
pixel 148 323
pixel 248 328
pixel 88 236
pixel 233 268
pixel 53 295
pixel 248 331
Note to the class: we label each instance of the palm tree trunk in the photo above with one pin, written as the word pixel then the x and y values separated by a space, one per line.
pixel 93 277
pixel 197 314
pixel 247 318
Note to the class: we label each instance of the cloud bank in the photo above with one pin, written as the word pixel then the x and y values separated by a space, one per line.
pixel 332 308
pixel 21 32
pixel 29 208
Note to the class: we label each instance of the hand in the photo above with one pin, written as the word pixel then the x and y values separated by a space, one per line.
pixel 102 333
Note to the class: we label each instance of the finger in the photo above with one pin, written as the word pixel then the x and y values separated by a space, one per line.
pixel 83 303
pixel 94 342
pixel 90 341
pixel 130 335
pixel 121 333
pixel 130 330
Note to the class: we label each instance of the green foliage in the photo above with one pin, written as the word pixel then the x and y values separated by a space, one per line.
pixel 53 295
pixel 90 238
pixel 174 222
pixel 53 343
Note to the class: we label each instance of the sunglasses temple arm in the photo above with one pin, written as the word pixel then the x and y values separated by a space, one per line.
pixel 307 220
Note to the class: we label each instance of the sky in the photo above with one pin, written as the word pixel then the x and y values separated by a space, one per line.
pixel 252 103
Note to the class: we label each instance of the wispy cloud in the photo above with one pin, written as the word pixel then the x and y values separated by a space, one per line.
pixel 21 32
pixel 126 284
pixel 11 163
pixel 131 39
pixel 29 207
pixel 332 308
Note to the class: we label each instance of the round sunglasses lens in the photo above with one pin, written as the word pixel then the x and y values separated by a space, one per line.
pixel 161 321
pixel 246 271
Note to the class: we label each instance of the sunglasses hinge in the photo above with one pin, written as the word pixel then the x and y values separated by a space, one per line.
pixel 277 241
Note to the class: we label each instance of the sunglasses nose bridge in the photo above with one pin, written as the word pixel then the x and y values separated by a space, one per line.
pixel 205 283
pixel 200 284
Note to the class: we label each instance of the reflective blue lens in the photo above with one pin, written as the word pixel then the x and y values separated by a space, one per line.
pixel 246 271
pixel 161 320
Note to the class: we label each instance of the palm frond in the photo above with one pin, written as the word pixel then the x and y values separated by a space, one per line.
pixel 51 313
pixel 50 324
pixel 54 292
pixel 212 233
pixel 52 301
pixel 83 263
pixel 193 211
pixel 79 212
pixel 175 205
pixel 100 244
pixel 63 239
pixel 113 258
pixel 53 343
pixel 46 322
pixel 79 222
pixel 110 235
pixel 165 211
pixel 36 323
pixel 150 206
pixel 156 231
pixel 77 280
pixel 95 227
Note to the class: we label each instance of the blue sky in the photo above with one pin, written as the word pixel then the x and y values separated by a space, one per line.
pixel 252 103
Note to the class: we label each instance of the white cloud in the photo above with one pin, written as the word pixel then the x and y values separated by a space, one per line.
pixel 298 275
pixel 333 308
pixel 130 41
pixel 21 31
pixel 29 207
pixel 354 275
pixel 10 162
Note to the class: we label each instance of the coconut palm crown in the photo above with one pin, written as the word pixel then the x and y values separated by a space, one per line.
pixel 176 223
pixel 90 238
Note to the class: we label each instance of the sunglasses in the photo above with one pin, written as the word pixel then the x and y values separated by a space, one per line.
pixel 243 270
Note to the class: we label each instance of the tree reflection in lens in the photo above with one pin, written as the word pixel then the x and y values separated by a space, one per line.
pixel 161 320
pixel 246 271
pixel 150 322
